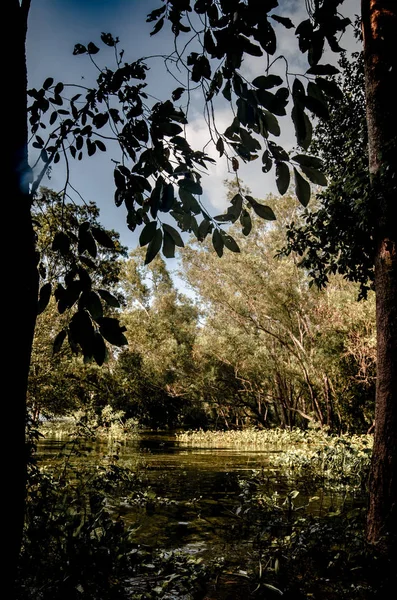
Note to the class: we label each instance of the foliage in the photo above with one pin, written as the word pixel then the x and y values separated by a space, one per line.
pixel 273 349
pixel 337 234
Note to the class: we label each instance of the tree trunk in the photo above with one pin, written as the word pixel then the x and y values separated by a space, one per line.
pixel 21 280
pixel 380 56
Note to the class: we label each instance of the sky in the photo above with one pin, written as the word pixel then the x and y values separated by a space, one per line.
pixel 55 26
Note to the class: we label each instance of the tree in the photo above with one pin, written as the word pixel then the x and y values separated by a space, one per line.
pixel 57 379
pixel 228 28
pixel 290 352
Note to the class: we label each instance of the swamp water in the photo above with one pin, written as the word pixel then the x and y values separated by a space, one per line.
pixel 190 496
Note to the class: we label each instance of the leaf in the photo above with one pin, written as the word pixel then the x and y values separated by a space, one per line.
pixel 272 589
pixel 282 177
pixel 147 233
pixel 168 246
pixel 265 82
pixel 108 39
pixel 177 93
pixel 245 220
pixel 174 234
pixel 308 161
pixel 271 123
pixel 109 298
pixel 99 349
pixel 189 201
pixel 79 49
pixel 314 175
pixel 94 305
pixel 263 211
pixel 44 297
pixel 190 185
pixel 102 237
pixel 61 243
pixel 167 198
pixel 112 331
pixel 86 242
pixel 229 242
pixel 82 332
pixel 154 246
pixel 302 188
pixel 323 70
pixel 59 339
pixel 92 49
pixel 204 229
pixel 220 146
pixel 58 88
pixel 158 26
pixel 330 88
pixel 217 242
pixel 283 21
pixel 48 83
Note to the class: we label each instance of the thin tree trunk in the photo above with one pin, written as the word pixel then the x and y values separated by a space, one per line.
pixel 21 280
pixel 380 56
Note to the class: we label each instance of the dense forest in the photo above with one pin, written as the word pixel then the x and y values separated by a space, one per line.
pixel 264 334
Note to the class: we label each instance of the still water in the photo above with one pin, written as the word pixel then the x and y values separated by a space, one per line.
pixel 192 493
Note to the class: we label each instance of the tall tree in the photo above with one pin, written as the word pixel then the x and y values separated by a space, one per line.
pixel 379 19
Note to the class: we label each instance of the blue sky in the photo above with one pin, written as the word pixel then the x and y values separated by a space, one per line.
pixel 55 26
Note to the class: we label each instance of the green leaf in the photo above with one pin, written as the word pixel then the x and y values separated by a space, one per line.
pixel 245 220
pixel 263 211
pixel 314 175
pixel 217 242
pixel 112 331
pixel 168 246
pixel 109 298
pixel 154 247
pixel 147 233
pixel 229 242
pixel 174 234
pixel 282 177
pixel 265 82
pixel 102 237
pixel 44 297
pixel 302 188
pixel 59 339
pixel 204 229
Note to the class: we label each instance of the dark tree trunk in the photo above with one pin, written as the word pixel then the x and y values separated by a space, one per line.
pixel 380 56
pixel 21 281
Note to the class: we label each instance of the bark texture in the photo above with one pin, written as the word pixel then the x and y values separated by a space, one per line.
pixel 21 280
pixel 379 19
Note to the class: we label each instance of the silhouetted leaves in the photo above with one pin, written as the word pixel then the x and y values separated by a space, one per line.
pixel 302 188
pixel 44 297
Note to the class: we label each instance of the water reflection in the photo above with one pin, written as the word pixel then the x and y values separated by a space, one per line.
pixel 201 485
